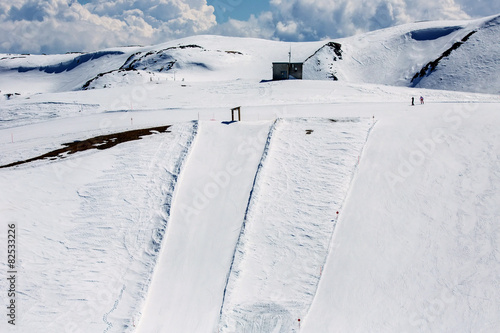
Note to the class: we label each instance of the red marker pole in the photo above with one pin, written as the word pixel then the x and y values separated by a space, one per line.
pixel 299 322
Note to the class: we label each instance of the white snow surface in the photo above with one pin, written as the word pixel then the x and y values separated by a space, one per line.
pixel 233 227
pixel 290 220
pixel 88 232
pixel 205 223
pixel 416 246
pixel 480 68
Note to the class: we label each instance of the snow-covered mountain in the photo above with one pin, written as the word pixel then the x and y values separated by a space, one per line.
pixel 135 204
pixel 453 55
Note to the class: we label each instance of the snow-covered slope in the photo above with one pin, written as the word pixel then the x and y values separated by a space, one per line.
pixel 215 225
pixel 278 262
pixel 453 55
pixel 102 238
pixel 198 58
pixel 55 72
pixel 472 64
pixel 88 232
pixel 417 244
pixel 206 219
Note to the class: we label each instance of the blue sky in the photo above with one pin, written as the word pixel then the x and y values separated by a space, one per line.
pixel 59 26
pixel 237 9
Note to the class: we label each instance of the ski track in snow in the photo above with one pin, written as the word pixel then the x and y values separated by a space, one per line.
pixel 279 257
pixel 209 206
pixel 262 159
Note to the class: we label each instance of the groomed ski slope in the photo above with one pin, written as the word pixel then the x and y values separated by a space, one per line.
pixel 188 285
pixel 307 164
pixel 301 184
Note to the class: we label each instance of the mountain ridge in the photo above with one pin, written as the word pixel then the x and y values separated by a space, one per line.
pixel 422 55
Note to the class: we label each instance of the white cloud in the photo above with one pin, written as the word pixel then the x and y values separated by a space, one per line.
pixel 303 20
pixel 50 26
pixel 480 7
pixel 297 20
pixel 65 25
pixel 262 26
pixel 317 19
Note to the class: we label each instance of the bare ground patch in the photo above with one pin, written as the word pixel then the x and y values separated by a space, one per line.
pixel 100 142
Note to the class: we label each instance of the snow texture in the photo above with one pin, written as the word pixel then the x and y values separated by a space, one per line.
pixel 282 250
pixel 90 231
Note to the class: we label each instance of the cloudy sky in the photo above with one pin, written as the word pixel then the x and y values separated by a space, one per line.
pixel 59 26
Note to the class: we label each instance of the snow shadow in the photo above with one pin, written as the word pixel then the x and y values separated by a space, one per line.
pixel 432 33
pixel 69 65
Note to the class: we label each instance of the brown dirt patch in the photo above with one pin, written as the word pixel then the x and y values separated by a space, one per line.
pixel 100 142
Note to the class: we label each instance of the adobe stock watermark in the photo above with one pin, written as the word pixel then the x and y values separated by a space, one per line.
pixel 425 318
pixel 123 103
pixel 79 318
pixel 424 149
pixel 439 312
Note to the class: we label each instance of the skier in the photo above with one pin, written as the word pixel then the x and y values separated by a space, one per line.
pixel 413 101
pixel 421 100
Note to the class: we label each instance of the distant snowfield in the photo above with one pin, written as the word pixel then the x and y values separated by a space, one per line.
pixel 218 226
